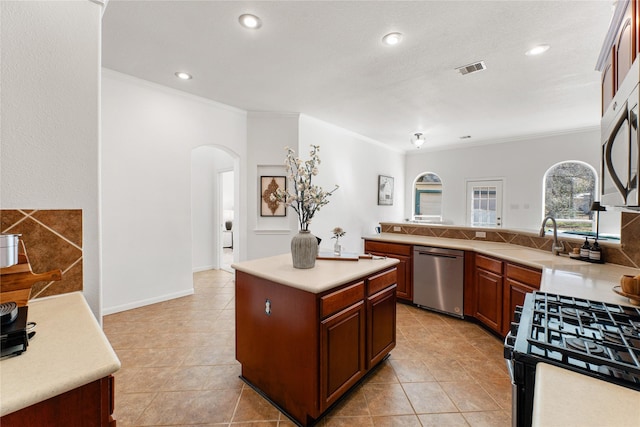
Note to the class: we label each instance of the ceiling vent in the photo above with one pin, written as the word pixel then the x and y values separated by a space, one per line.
pixel 472 68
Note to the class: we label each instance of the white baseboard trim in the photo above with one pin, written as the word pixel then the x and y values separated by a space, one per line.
pixel 137 304
pixel 205 268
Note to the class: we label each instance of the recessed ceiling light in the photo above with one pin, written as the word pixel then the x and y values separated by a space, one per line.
pixel 537 50
pixel 250 21
pixel 183 76
pixel 392 39
pixel 465 137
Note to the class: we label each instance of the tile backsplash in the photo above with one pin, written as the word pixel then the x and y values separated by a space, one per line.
pixel 53 240
pixel 626 253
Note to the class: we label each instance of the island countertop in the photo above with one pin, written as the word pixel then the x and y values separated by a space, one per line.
pixel 326 274
pixel 560 274
pixel 69 350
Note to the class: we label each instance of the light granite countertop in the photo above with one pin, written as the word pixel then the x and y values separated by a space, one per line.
pixel 69 350
pixel 327 274
pixel 599 403
pixel 560 274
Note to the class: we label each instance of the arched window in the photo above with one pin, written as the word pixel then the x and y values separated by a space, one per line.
pixel 569 190
pixel 428 198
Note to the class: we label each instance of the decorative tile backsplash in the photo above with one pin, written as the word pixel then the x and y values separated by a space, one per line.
pixel 627 253
pixel 53 240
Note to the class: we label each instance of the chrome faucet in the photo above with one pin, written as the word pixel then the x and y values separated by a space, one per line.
pixel 555 248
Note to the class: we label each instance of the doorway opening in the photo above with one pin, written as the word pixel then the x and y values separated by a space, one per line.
pixel 225 181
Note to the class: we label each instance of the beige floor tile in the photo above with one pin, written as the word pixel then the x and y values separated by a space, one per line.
pixel 410 370
pixel 488 418
pixel 190 407
pixel 253 407
pixel 387 399
pixel 443 420
pixel 469 396
pixel 428 398
pixel 179 368
pixel 397 421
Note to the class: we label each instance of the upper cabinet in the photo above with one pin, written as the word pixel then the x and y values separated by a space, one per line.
pixel 619 49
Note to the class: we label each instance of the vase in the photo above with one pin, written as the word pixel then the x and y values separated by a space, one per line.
pixel 337 249
pixel 304 249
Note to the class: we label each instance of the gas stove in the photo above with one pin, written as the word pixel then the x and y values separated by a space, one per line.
pixel 14 336
pixel 598 339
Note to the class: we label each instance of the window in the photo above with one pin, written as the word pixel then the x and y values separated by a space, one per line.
pixel 569 189
pixel 428 198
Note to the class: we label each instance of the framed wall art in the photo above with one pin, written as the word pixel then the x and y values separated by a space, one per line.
pixel 385 190
pixel 268 185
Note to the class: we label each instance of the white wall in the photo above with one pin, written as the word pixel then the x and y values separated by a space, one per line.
pixel 521 163
pixel 148 133
pixel 267 135
pixel 353 162
pixel 206 163
pixel 50 79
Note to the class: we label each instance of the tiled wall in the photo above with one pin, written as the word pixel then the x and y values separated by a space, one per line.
pixel 627 253
pixel 53 240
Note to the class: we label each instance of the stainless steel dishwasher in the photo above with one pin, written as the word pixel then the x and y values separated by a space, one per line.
pixel 438 279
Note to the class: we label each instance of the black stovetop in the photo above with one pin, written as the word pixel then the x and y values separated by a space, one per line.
pixel 591 337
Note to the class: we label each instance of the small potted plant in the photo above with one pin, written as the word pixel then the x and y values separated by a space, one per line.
pixel 337 234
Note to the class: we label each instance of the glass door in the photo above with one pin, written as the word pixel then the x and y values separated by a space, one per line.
pixel 484 203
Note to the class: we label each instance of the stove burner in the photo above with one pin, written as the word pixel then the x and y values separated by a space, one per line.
pixel 612 337
pixel 575 316
pixel 584 345
pixel 8 312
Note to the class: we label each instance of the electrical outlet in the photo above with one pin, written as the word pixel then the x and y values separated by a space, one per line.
pixel 396 228
pixel 482 234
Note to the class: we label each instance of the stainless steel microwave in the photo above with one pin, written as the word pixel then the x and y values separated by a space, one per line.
pixel 619 177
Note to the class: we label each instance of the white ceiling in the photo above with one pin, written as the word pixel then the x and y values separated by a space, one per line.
pixel 326 59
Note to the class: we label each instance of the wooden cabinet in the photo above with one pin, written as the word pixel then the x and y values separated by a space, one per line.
pixel 403 254
pixel 519 281
pixel 624 48
pixel 90 405
pixel 619 51
pixel 303 350
pixel 499 287
pixel 342 352
pixel 489 287
pixel 608 82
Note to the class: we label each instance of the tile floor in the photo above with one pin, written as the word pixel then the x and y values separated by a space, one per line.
pixel 179 369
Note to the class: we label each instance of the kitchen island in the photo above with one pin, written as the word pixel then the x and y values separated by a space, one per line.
pixel 64 377
pixel 305 337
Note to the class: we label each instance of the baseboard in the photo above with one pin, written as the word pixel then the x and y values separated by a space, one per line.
pixel 137 304
pixel 203 268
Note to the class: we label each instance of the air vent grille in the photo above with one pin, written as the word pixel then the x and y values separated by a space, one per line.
pixel 472 68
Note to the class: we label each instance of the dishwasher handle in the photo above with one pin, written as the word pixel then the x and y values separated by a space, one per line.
pixel 436 255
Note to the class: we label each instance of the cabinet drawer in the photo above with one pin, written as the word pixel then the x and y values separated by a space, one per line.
pixel 489 264
pixel 380 281
pixel 336 301
pixel 524 275
pixel 387 248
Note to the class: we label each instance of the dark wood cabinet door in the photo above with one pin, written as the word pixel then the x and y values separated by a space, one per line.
pixel 608 83
pixel 381 321
pixel 624 47
pixel 489 299
pixel 514 294
pixel 342 352
pixel 405 269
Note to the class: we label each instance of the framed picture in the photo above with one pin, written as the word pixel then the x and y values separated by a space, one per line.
pixel 268 185
pixel 385 190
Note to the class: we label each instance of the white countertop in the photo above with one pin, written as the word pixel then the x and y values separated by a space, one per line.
pixel 69 350
pixel 565 398
pixel 326 274
pixel 560 274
